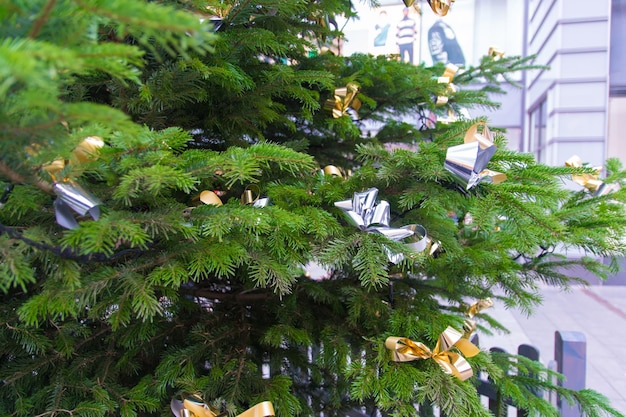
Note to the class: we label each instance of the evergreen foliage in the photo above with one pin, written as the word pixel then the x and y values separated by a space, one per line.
pixel 164 295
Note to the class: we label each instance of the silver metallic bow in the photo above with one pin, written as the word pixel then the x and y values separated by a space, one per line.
pixel 72 196
pixel 363 212
pixel 467 162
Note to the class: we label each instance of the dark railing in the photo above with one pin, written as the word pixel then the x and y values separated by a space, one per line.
pixel 570 359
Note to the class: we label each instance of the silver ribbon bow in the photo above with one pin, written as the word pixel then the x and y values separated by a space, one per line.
pixel 72 196
pixel 467 162
pixel 363 212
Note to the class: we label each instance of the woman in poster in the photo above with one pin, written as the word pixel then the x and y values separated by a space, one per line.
pixel 443 44
pixel 381 29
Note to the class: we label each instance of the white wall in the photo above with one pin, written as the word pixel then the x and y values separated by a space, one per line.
pixel 572 37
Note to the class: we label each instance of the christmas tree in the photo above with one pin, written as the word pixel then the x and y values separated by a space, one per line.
pixel 172 171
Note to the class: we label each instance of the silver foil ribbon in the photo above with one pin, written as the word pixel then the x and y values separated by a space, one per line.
pixel 468 161
pixel 367 215
pixel 72 196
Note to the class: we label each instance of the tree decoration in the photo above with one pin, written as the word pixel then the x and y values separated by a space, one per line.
pixel 118 316
pixel 363 212
pixel 405 350
pixel 590 181
pixel 211 198
pixel 495 53
pixel 446 78
pixel 420 238
pixel 440 7
pixel 344 99
pixel 467 162
pixel 194 406
pixel 251 196
pixel 334 171
pixel 72 195
pixel 469 325
pixel 88 149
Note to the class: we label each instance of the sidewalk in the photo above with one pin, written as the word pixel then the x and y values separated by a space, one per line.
pixel 599 312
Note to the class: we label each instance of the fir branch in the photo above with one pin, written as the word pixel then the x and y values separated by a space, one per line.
pixel 41 20
pixel 19 179
pixel 242 297
pixel 66 252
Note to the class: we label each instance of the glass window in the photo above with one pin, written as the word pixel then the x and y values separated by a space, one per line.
pixel 538 122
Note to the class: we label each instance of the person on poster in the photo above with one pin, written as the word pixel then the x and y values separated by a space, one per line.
pixel 406 36
pixel 443 45
pixel 381 29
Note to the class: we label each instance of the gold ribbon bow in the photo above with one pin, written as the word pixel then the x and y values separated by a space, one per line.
pixel 589 181
pixel 345 98
pixel 87 150
pixel 446 78
pixel 452 363
pixel 440 7
pixel 495 53
pixel 470 325
pixel 334 171
pixel 194 406
pixel 210 198
pixel 251 196
pixel 467 162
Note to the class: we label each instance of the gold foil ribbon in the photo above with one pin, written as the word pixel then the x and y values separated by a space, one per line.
pixel 452 363
pixel 446 78
pixel 432 245
pixel 440 7
pixel 334 171
pixel 495 53
pixel 589 181
pixel 194 406
pixel 470 325
pixel 251 196
pixel 210 198
pixel 87 150
pixel 345 98
pixel 408 3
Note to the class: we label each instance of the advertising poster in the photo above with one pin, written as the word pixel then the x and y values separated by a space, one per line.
pixel 416 34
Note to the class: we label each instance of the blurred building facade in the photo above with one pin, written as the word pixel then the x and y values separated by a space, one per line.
pixel 578 106
pixel 575 107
